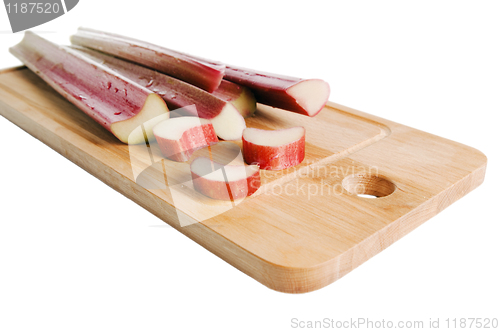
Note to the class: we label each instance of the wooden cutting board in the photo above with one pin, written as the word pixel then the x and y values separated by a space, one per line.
pixel 306 226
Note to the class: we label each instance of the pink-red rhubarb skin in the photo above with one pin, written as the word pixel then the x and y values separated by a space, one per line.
pixel 191 140
pixel 274 157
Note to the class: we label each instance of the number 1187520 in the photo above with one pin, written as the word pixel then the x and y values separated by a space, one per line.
pixel 478 323
pixel 33 7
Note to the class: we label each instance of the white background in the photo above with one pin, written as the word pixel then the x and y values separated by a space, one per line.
pixel 75 255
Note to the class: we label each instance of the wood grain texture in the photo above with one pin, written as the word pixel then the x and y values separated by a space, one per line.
pixel 306 227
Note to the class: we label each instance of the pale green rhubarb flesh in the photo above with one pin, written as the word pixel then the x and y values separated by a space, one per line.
pixel 225 118
pixel 204 75
pixel 123 107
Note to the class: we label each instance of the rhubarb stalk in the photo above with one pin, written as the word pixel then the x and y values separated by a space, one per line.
pixel 197 72
pixel 303 96
pixel 126 109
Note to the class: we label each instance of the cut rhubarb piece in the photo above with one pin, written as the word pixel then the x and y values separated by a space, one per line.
pixel 274 149
pixel 204 75
pixel 239 96
pixel 224 182
pixel 126 109
pixel 179 137
pixel 226 120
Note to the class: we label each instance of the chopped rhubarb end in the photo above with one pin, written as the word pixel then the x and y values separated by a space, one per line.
pixel 239 96
pixel 229 124
pixel 133 130
pixel 311 95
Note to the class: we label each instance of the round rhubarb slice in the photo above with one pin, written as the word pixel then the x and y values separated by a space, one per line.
pixel 224 182
pixel 274 149
pixel 179 137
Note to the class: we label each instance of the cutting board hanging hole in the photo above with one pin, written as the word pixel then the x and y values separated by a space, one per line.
pixel 368 186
